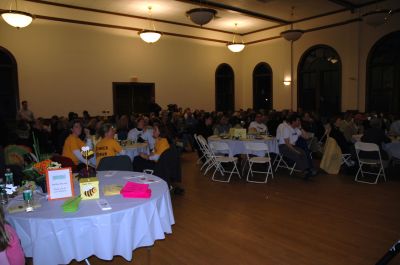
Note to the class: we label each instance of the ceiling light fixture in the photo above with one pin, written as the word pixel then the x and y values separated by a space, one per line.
pixel 201 16
pixel 377 17
pixel 292 34
pixel 150 36
pixel 235 46
pixel 17 19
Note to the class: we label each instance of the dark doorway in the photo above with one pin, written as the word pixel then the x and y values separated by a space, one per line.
pixel 320 80
pixel 132 97
pixel 224 88
pixel 383 75
pixel 9 94
pixel 262 87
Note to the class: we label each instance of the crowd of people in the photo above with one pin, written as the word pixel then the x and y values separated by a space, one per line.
pixel 293 130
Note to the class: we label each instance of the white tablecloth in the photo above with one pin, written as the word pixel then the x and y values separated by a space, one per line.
pixel 133 150
pixel 237 147
pixel 51 236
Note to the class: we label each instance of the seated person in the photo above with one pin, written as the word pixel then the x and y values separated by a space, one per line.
pixel 144 161
pixel 222 127
pixel 291 145
pixel 395 127
pixel 140 134
pixel 375 135
pixel 9 244
pixel 258 126
pixel 107 146
pixel 73 144
pixel 348 127
pixel 337 134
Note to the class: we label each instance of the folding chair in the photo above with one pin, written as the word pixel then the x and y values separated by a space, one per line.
pixel 200 146
pixel 283 164
pixel 346 159
pixel 210 161
pixel 370 148
pixel 221 148
pixel 122 163
pixel 258 147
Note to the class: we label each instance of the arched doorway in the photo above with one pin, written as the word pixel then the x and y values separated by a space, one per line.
pixel 320 80
pixel 224 88
pixel 9 100
pixel 383 75
pixel 262 87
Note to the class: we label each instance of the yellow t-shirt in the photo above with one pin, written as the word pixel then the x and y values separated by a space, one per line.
pixel 106 147
pixel 72 143
pixel 160 146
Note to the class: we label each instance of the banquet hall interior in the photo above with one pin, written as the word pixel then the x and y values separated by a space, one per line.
pixel 233 59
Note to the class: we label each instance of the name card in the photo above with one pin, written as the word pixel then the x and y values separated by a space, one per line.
pixel 59 183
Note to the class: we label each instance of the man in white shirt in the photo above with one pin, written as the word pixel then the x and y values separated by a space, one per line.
pixel 288 134
pixel 141 133
pixel 258 125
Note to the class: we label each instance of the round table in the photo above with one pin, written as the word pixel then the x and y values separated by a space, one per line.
pixel 237 147
pixel 50 236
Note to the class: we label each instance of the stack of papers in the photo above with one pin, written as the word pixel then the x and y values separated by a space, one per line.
pixel 136 190
pixel 113 189
pixel 71 205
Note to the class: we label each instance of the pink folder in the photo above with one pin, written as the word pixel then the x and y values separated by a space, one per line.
pixel 136 190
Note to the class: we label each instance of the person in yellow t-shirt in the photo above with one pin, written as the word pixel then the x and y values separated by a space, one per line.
pixel 145 161
pixel 107 146
pixel 73 144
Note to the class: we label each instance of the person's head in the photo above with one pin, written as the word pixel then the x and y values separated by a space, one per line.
pixel 24 104
pixel 106 130
pixel 140 123
pixel 336 121
pixel 208 119
pixel 86 114
pixel 4 239
pixel 76 127
pixel 294 120
pixel 259 118
pixel 224 120
pixel 159 131
pixel 375 123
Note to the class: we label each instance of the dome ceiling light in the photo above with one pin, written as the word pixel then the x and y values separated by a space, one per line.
pixel 150 36
pixel 17 19
pixel 235 46
pixel 292 34
pixel 201 16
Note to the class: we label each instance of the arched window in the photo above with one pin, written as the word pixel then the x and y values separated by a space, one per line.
pixel 262 87
pixel 9 100
pixel 383 75
pixel 224 88
pixel 320 81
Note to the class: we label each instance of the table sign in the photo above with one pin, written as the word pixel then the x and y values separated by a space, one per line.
pixel 59 183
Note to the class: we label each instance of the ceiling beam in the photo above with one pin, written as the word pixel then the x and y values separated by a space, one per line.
pixel 250 13
pixel 344 3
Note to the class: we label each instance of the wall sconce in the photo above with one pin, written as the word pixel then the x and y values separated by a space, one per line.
pixel 287 82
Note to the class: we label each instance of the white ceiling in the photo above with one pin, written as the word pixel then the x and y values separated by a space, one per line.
pixel 175 10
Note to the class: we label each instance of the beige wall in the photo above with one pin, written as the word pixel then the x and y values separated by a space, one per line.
pixel 66 67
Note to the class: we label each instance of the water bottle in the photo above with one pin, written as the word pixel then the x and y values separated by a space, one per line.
pixel 9 177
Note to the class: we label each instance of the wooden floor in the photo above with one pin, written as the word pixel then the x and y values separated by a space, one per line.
pixel 329 221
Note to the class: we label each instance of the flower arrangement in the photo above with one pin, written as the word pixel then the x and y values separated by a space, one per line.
pixel 36 172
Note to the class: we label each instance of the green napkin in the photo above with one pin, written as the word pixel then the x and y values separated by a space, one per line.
pixel 71 205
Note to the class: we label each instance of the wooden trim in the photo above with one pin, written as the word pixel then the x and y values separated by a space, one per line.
pixel 123 15
pixel 236 9
pixel 344 3
pixel 310 30
pixel 89 23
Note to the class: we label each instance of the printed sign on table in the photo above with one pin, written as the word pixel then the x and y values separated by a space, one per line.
pixel 59 183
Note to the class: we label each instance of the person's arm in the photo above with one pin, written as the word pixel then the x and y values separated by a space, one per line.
pixel 14 252
pixel 291 147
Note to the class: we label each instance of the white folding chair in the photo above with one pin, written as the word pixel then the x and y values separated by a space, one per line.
pixel 200 146
pixel 346 159
pixel 370 148
pixel 257 148
pixel 209 157
pixel 218 148
pixel 283 164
